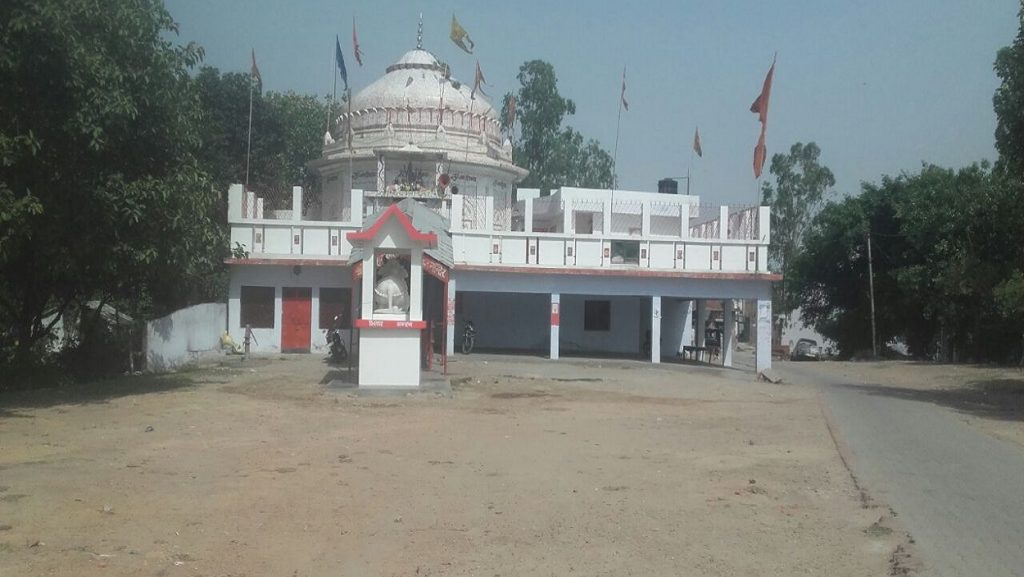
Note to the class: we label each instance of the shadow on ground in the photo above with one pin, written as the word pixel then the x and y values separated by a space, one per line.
pixel 997 399
pixel 100 391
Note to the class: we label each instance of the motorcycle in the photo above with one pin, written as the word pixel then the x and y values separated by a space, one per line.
pixel 338 351
pixel 468 337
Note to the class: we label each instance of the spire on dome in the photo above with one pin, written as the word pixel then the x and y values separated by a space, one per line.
pixel 419 34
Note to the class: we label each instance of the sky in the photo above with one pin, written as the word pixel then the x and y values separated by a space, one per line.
pixel 880 85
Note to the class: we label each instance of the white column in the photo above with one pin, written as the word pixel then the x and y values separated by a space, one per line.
pixel 567 215
pixel 489 213
pixel 450 311
pixel 764 335
pixel 528 215
pixel 645 219
pixel 656 329
pixel 728 331
pixel 296 203
pixel 723 222
pixel 687 311
pixel 555 320
pixel 235 194
pixel 356 208
pixel 456 215
pixel 702 319
pixel 606 221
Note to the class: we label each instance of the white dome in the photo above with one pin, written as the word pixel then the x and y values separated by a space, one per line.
pixel 419 81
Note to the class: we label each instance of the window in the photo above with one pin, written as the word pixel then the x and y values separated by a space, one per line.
pixel 257 307
pixel 625 252
pixel 597 315
pixel 335 301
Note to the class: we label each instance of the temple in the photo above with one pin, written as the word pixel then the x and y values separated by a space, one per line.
pixel 419 226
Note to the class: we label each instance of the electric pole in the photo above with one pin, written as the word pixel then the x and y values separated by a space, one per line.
pixel 871 287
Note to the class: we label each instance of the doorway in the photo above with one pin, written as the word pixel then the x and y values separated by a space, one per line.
pixel 296 319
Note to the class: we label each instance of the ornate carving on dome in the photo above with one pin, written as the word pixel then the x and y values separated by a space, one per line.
pixel 410 179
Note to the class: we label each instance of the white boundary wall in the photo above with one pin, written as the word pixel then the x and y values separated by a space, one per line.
pixel 184 336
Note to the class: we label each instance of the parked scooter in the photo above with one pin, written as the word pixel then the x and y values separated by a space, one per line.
pixel 338 351
pixel 468 337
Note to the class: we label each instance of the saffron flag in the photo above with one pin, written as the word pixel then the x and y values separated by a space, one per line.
pixel 760 105
pixel 760 152
pixel 254 73
pixel 696 143
pixel 478 81
pixel 760 108
pixel 355 44
pixel 460 37
pixel 625 104
pixel 510 111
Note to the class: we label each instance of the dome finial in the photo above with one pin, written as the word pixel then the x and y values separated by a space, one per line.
pixel 419 34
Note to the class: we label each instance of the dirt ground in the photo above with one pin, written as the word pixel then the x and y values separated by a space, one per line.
pixel 530 467
pixel 988 398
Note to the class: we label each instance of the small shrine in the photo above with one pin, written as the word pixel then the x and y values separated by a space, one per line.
pixel 390 270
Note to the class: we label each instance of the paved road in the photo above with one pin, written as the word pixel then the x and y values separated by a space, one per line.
pixel 959 492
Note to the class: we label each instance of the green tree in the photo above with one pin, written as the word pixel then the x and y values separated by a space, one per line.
pixel 801 182
pixel 944 254
pixel 102 195
pixel 555 155
pixel 1009 103
pixel 287 132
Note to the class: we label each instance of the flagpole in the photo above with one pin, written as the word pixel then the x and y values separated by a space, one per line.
pixel 348 137
pixel 248 146
pixel 330 107
pixel 615 155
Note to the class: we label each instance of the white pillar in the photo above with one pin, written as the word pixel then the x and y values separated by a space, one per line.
pixel 645 218
pixel 235 194
pixel 728 331
pixel 687 311
pixel 723 222
pixel 456 213
pixel 489 213
pixel 606 220
pixel 450 311
pixel 555 320
pixel 764 335
pixel 528 215
pixel 356 208
pixel 702 319
pixel 656 329
pixel 296 203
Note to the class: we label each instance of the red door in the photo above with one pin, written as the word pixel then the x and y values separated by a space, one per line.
pixel 296 318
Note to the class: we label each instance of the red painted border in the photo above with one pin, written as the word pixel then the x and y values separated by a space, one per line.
pixel 372 324
pixel 427 238
pixel 622 272
pixel 287 261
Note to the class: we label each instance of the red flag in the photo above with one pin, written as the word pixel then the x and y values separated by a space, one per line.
pixel 623 96
pixel 478 81
pixel 760 152
pixel 355 44
pixel 696 143
pixel 760 105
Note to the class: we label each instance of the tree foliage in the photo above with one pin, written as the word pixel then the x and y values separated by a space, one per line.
pixel 287 131
pixel 555 155
pixel 946 250
pixel 1009 103
pixel 800 184
pixel 101 193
